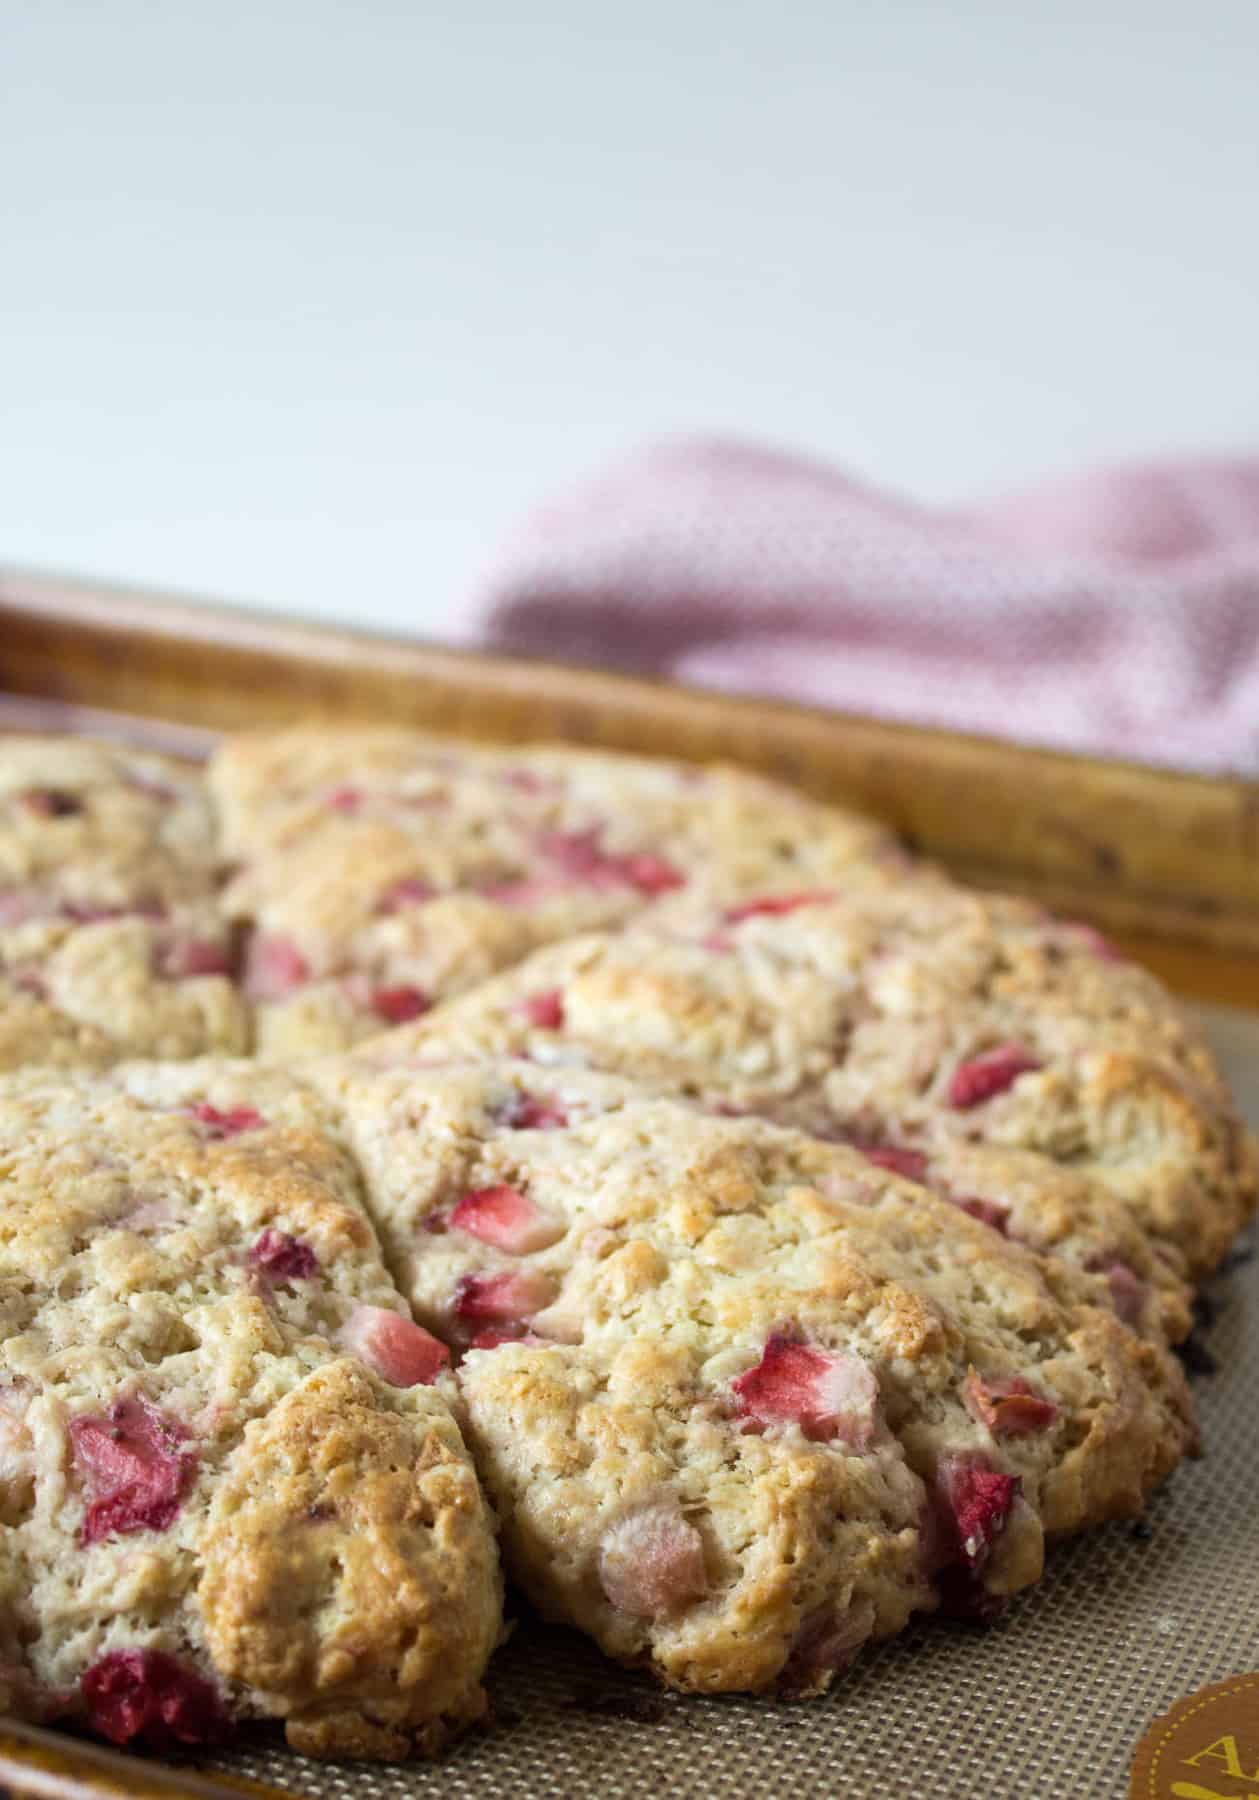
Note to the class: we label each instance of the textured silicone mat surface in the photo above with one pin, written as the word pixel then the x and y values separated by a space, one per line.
pixel 1049 1703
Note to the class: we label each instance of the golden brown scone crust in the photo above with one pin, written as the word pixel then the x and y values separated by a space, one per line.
pixel 466 858
pixel 333 1507
pixel 187 1243
pixel 671 1248
pixel 851 1018
pixel 112 942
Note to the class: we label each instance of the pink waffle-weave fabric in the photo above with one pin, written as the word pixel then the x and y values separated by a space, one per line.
pixel 1115 613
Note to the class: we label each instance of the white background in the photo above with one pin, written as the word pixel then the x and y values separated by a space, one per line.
pixel 305 303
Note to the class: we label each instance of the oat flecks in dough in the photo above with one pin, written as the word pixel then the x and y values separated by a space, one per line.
pixel 213 1510
pixel 733 1412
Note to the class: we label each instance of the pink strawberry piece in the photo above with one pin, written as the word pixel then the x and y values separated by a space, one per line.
pixel 283 1258
pixel 830 1394
pixel 133 1467
pixel 1009 1407
pixel 399 1005
pixel 825 1646
pixel 508 1219
pixel 526 891
pixel 985 1076
pixel 543 1010
pixel 528 1113
pixel 651 1562
pixel 649 873
pixel 1094 940
pixel 401 1352
pixel 403 895
pixel 274 968
pixel 988 1212
pixel 1128 1293
pixel 912 1164
pixel 29 980
pixel 51 803
pixel 226 1124
pixel 976 1501
pixel 147 1695
pixel 507 1298
pixel 772 906
pixel 581 856
pixel 84 913
pixel 345 799
pixel 496 1335
pixel 17 905
pixel 187 958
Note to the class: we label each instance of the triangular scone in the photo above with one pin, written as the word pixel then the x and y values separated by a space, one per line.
pixel 1008 1060
pixel 112 943
pixel 232 1484
pixel 383 870
pixel 742 1399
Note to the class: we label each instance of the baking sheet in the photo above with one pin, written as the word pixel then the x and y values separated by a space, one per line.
pixel 1046 1705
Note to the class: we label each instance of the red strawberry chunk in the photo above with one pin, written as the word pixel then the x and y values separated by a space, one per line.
pixel 401 1352
pixel 773 906
pixel 651 1562
pixel 226 1124
pixel 345 799
pixel 51 803
pixel 147 1695
pixel 649 873
pixel 495 1335
pixel 830 1394
pixel 544 1010
pixel 528 1113
pixel 187 958
pixel 1009 1407
pixel 989 1212
pixel 503 1299
pixel 508 1219
pixel 399 1005
pixel 282 1257
pixel 985 1076
pixel 410 891
pixel 912 1164
pixel 581 856
pixel 274 968
pixel 133 1467
pixel 976 1501
pixel 1128 1293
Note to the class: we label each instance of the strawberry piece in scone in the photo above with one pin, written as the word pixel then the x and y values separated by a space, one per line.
pixel 510 1297
pixel 829 1394
pixel 506 1218
pixel 283 1257
pixel 274 967
pixel 1008 1406
pixel 227 1122
pixel 984 1077
pixel 651 1562
pixel 401 1352
pixel 134 1467
pixel 147 1697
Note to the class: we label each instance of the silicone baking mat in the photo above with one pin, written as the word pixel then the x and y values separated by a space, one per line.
pixel 1046 1705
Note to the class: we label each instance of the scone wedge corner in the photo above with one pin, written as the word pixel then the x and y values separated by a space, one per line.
pixel 743 1400
pixel 232 1481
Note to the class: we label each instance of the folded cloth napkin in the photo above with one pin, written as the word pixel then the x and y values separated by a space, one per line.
pixel 1116 613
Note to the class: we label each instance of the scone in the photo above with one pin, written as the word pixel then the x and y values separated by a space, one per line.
pixel 743 1400
pixel 112 943
pixel 382 871
pixel 1009 1060
pixel 231 1483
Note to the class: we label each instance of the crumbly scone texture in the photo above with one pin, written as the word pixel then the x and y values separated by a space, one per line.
pixel 465 859
pixel 212 1509
pixel 112 942
pixel 735 1391
pixel 1004 1056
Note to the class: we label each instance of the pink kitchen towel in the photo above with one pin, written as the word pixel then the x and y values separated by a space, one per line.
pixel 1115 613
